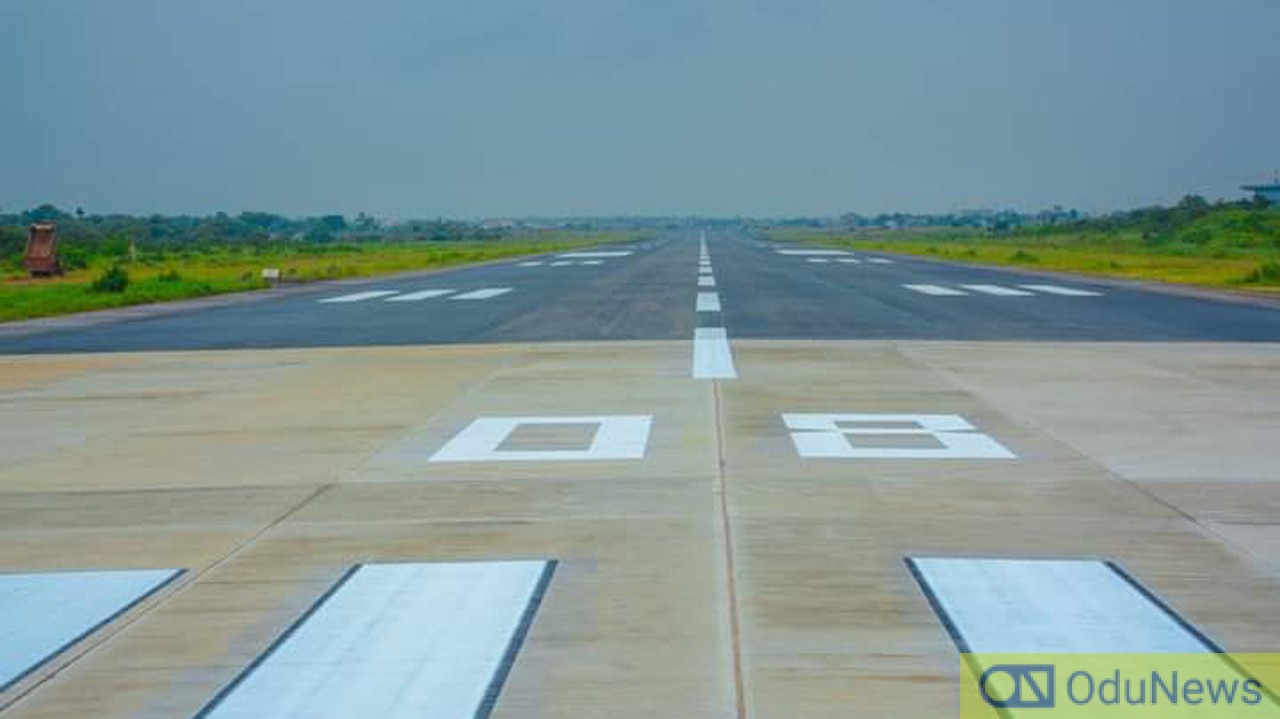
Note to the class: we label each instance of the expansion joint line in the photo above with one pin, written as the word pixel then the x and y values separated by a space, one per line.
pixel 731 572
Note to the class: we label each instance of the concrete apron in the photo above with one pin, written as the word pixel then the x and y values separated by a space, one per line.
pixel 720 575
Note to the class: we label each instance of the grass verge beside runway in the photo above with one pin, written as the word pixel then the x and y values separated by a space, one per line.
pixel 1228 252
pixel 229 268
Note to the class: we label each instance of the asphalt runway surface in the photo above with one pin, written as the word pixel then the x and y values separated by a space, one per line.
pixel 647 295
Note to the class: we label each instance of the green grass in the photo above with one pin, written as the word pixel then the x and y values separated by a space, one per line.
pixel 1233 249
pixel 163 276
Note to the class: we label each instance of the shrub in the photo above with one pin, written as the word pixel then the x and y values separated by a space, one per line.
pixel 1267 273
pixel 1023 256
pixel 114 280
pixel 170 276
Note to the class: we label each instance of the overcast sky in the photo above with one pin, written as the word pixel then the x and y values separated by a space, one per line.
pixel 474 108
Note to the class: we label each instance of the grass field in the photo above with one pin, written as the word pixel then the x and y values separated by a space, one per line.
pixel 1226 250
pixel 161 276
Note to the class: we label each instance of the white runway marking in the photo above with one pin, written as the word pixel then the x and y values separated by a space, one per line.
pixel 706 281
pixel 616 438
pixel 818 260
pixel 592 255
pixel 561 263
pixel 881 261
pixel 397 641
pixel 704 271
pixel 811 253
pixel 712 355
pixel 419 296
pixel 485 294
pixel 997 290
pixel 533 263
pixel 825 436
pixel 43 613
pixel 708 302
pixel 1050 606
pixel 849 261
pixel 936 290
pixel 1064 291
pixel 359 297
pixel 593 262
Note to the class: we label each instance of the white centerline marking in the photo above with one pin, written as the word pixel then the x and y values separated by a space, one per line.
pixel 936 290
pixel 616 438
pixel 358 297
pixel 43 613
pixel 561 263
pixel 1064 291
pixel 708 302
pixel 593 262
pixel 397 640
pixel 1035 606
pixel 818 260
pixel 707 281
pixel 533 263
pixel 998 291
pixel 712 355
pixel 592 255
pixel 881 261
pixel 417 296
pixel 849 261
pixel 485 294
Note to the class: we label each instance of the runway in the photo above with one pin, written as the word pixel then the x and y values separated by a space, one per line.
pixel 706 477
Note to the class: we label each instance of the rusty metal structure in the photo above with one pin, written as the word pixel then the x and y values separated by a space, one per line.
pixel 42 250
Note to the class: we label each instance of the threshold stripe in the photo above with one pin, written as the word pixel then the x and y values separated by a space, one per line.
pixel 418 296
pixel 998 291
pixel 1064 291
pixel 396 641
pixel 358 297
pixel 44 613
pixel 1046 606
pixel 708 302
pixel 707 281
pixel 485 294
pixel 712 356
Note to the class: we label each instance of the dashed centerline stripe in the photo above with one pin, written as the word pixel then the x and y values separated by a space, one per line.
pixel 1064 291
pixel 712 356
pixel 706 281
pixel 708 302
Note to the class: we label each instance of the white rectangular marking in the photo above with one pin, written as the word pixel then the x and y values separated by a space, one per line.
pixel 849 261
pixel 592 255
pixel 936 290
pixel 707 281
pixel 531 263
pixel 43 613
pixel 708 302
pixel 822 436
pixel 617 438
pixel 997 290
pixel 712 355
pixel 1064 291
pixel 1014 606
pixel 396 641
pixel 881 261
pixel 704 270
pixel 561 263
pixel 593 262
pixel 485 294
pixel 811 253
pixel 359 297
pixel 419 296
pixel 818 260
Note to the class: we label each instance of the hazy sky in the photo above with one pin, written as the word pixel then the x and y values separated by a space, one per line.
pixel 470 108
